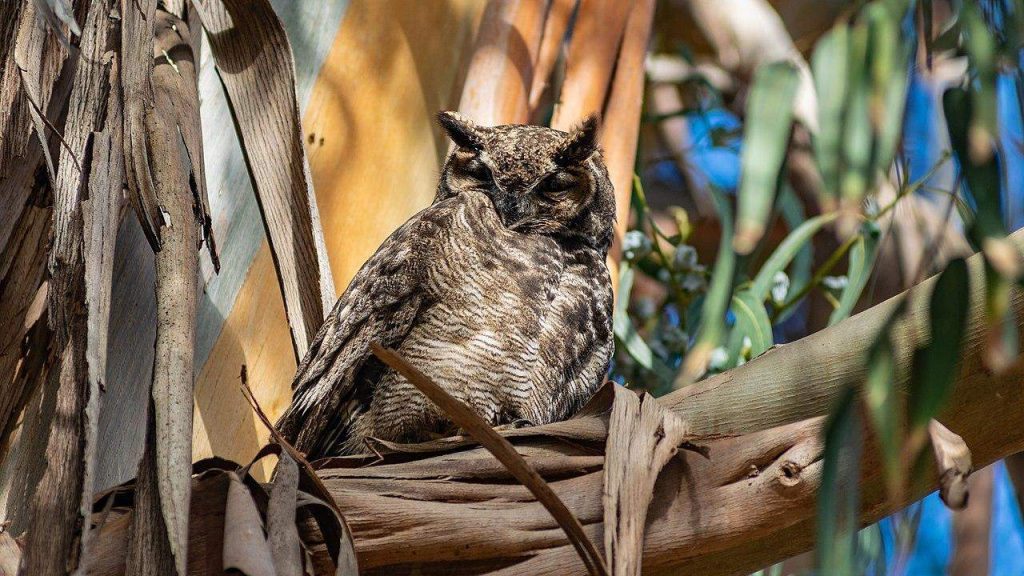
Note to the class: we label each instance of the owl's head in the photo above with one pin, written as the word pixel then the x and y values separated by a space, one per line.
pixel 541 180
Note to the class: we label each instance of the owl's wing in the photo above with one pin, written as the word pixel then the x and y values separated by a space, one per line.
pixel 379 305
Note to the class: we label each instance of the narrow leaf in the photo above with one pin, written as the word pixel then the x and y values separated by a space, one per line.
pixel 856 142
pixel 626 332
pixel 981 51
pixel 712 323
pixel 786 251
pixel 751 322
pixel 889 78
pixel 880 397
pixel 766 137
pixel 838 500
pixel 862 260
pixel 934 368
pixel 831 76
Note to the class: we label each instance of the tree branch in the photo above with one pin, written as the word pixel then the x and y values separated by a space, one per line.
pixel 446 506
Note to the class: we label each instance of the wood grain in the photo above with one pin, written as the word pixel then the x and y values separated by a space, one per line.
pixel 255 64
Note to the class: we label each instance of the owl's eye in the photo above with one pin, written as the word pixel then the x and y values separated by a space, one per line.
pixel 557 185
pixel 476 168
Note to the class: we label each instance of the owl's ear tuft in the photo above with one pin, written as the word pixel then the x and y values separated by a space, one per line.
pixel 580 144
pixel 461 130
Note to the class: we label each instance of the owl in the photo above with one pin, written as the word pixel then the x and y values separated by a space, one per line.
pixel 499 291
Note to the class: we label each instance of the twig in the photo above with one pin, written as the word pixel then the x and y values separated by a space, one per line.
pixel 42 116
pixel 464 417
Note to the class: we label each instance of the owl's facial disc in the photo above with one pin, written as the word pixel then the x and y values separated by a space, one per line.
pixel 540 180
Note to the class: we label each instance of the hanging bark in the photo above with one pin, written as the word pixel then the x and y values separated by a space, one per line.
pixel 556 23
pixel 621 130
pixel 254 60
pixel 79 292
pixel 160 532
pixel 593 50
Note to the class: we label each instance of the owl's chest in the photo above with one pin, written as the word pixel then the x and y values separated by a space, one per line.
pixel 486 271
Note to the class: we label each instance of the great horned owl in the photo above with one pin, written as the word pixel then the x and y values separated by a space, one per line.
pixel 499 291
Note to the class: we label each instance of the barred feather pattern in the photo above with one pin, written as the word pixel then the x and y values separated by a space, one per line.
pixel 514 321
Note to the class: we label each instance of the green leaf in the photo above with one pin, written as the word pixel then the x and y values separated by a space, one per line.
pixel 856 147
pixel 830 66
pixel 751 321
pixel 862 260
pixel 626 333
pixel 889 79
pixel 712 318
pixel 769 120
pixel 838 516
pixel 880 397
pixel 983 179
pixel 934 367
pixel 981 52
pixel 794 242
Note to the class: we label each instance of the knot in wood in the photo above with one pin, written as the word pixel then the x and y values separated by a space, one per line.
pixel 789 473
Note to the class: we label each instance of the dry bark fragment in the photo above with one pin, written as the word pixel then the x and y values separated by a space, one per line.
pixel 501 71
pixel 593 49
pixel 137 30
pixel 642 437
pixel 556 23
pixel 283 536
pixel 245 547
pixel 953 461
pixel 65 490
pixel 177 264
pixel 254 60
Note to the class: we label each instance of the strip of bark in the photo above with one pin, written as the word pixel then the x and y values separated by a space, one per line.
pixel 501 71
pixel 63 499
pixel 137 92
pixel 593 50
pixel 621 128
pixel 254 60
pixel 642 437
pixel 556 24
pixel 168 463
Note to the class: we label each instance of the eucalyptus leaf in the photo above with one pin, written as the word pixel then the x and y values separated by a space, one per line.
pixel 830 66
pixel 934 367
pixel 838 517
pixel 751 322
pixel 626 333
pixel 716 301
pixel 769 120
pixel 862 260
pixel 889 79
pixel 856 140
pixel 880 397
pixel 794 242
pixel 981 52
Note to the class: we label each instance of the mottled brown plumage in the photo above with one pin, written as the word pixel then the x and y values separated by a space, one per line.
pixel 498 290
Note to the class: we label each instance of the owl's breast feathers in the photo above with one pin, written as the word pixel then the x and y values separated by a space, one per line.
pixel 516 325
